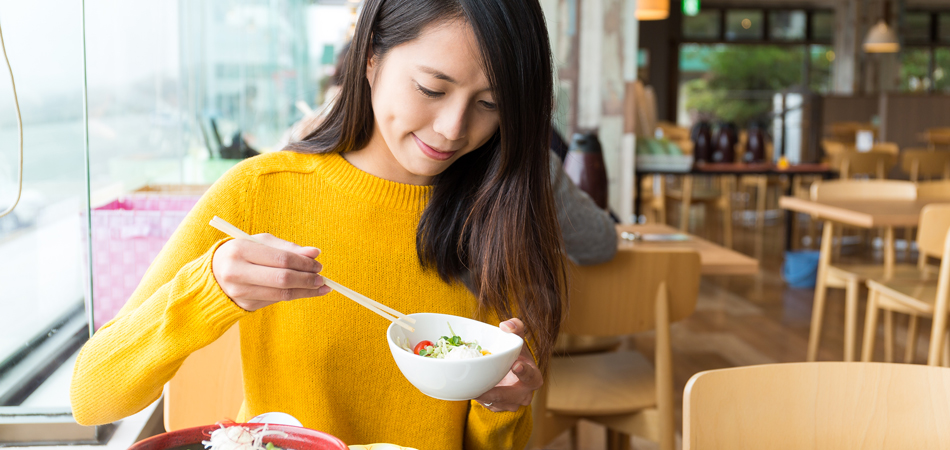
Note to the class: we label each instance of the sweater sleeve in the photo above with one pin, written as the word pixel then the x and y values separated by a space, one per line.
pixel 497 430
pixel 177 309
pixel 590 236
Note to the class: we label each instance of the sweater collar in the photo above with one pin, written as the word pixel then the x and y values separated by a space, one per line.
pixel 371 188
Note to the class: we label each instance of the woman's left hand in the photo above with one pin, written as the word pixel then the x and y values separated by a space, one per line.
pixel 517 388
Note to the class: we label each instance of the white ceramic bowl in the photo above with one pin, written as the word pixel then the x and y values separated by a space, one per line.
pixel 455 380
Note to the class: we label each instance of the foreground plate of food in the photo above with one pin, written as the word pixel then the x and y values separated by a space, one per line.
pixel 242 436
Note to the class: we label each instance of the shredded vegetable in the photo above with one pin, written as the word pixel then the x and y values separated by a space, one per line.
pixel 241 438
pixel 447 347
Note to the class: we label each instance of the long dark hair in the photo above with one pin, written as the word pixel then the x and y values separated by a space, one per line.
pixel 492 212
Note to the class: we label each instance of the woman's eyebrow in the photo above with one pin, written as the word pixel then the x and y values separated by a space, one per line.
pixel 440 75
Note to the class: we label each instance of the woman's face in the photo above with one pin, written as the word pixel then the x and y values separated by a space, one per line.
pixel 432 104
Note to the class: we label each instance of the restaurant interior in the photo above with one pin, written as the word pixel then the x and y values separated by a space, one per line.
pixel 778 171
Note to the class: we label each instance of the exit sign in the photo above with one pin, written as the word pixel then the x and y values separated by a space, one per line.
pixel 691 7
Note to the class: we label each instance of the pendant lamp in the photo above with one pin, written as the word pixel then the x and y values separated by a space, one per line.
pixel 881 38
pixel 653 9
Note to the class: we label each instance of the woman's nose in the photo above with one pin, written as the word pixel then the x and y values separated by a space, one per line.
pixel 452 121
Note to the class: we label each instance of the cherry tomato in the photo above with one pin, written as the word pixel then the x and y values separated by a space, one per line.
pixel 421 346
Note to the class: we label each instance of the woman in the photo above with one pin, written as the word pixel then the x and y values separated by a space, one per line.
pixel 429 174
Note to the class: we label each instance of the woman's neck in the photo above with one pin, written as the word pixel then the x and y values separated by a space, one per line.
pixel 376 159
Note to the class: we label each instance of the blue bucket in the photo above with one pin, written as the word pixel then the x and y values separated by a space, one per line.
pixel 801 268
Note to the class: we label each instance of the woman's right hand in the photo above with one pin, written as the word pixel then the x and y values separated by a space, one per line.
pixel 255 275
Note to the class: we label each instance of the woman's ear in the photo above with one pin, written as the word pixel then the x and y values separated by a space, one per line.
pixel 371 69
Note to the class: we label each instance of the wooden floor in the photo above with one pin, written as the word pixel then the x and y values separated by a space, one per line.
pixel 744 320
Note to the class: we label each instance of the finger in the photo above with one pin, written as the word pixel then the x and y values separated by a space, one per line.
pixel 527 372
pixel 272 295
pixel 263 255
pixel 505 398
pixel 513 325
pixel 272 277
pixel 276 242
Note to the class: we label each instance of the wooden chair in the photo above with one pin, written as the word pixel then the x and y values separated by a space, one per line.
pixel 847 131
pixel 759 184
pixel 921 297
pixel 834 149
pixel 653 198
pixel 874 164
pixel 209 386
pixel 826 405
pixel 717 194
pixel 637 291
pixel 938 138
pixel 934 190
pixel 922 163
pixel 849 277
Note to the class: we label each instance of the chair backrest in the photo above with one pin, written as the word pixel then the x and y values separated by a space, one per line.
pixel 921 162
pixel 886 147
pixel 938 138
pixel 209 386
pixel 819 405
pixel 619 296
pixel 846 131
pixel 932 229
pixel 834 149
pixel 934 190
pixel 844 190
pixel 872 163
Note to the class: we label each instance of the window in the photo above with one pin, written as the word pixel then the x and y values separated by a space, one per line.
pixel 160 112
pixel 916 28
pixel 823 26
pixel 914 72
pixel 735 83
pixel 787 25
pixel 943 31
pixel 923 60
pixel 941 73
pixel 703 26
pixel 744 24
pixel 822 59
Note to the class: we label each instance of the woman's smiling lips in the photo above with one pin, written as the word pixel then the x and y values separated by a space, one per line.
pixel 431 152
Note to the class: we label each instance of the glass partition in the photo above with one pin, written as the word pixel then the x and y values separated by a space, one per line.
pixel 42 242
pixel 177 92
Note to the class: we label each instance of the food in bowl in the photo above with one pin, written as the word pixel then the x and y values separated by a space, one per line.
pixel 288 438
pixel 446 347
pixel 237 437
pixel 453 379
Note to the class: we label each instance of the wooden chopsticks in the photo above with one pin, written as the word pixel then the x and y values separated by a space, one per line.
pixel 388 313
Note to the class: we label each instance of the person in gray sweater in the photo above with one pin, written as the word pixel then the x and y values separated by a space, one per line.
pixel 590 236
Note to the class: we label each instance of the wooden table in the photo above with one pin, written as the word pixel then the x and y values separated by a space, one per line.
pixel 866 214
pixel 714 259
pixel 740 169
pixel 863 214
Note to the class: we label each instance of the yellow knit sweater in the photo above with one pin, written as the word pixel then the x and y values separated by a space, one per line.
pixel 324 360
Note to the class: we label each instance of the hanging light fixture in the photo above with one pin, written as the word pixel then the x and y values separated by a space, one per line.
pixel 881 38
pixel 653 9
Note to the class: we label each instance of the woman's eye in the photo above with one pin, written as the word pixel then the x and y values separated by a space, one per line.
pixel 489 105
pixel 428 93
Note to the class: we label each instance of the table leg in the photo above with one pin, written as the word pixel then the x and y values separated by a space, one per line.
pixel 789 214
pixel 889 253
pixel 850 319
pixel 685 202
pixel 636 198
pixel 818 308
